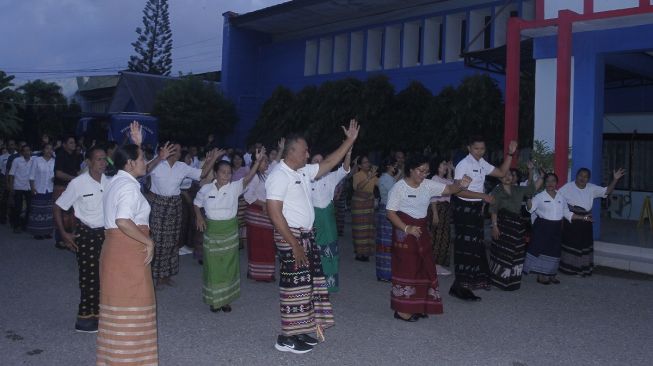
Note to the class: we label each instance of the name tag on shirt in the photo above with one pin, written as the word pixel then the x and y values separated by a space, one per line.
pixel 88 195
pixel 547 201
pixel 211 196
pixel 412 196
pixel 475 170
pixel 298 182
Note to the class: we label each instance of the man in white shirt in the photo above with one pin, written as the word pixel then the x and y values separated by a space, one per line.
pixel 41 180
pixel 167 174
pixel 4 192
pixel 305 305
pixel 471 265
pixel 84 193
pixel 326 237
pixel 19 186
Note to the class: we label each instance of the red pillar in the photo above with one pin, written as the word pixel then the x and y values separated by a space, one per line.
pixel 644 3
pixel 539 9
pixel 588 7
pixel 563 92
pixel 513 50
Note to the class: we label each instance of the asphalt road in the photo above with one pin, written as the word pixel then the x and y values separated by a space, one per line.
pixel 602 320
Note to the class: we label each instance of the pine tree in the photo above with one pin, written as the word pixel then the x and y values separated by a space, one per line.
pixel 154 44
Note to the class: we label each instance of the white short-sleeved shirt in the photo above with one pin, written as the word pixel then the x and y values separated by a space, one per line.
pixel 123 200
pixel 3 163
pixel 20 170
pixel 322 190
pixel 475 169
pixel 42 173
pixel 293 187
pixel 255 190
pixel 584 198
pixel 219 204
pixel 385 184
pixel 166 180
pixel 547 207
pixel 85 195
pixel 414 202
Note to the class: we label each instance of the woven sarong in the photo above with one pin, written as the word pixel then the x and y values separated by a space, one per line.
pixel 242 223
pixel 442 235
pixel 383 245
pixel 260 248
pixel 507 253
pixel 543 252
pixel 221 263
pixel 127 331
pixel 362 223
pixel 89 248
pixel 40 221
pixel 326 238
pixel 304 298
pixel 470 260
pixel 165 223
pixel 415 287
pixel 340 202
pixel 577 254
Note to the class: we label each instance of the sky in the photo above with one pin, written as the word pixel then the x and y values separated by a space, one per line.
pixel 56 40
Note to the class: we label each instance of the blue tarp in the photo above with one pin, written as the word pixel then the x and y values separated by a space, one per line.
pixel 119 128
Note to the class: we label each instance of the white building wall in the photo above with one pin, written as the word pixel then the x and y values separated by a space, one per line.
pixel 545 101
pixel 605 5
pixel 551 7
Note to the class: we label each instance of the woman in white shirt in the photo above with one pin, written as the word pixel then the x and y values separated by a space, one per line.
pixel 543 252
pixel 260 232
pixel 577 256
pixel 383 226
pixel 127 326
pixel 442 218
pixel 415 290
pixel 219 200
pixel 41 179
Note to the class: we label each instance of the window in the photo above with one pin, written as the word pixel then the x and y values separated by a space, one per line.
pixel 310 58
pixel 487 32
pixel 501 15
pixel 373 55
pixel 341 53
pixel 635 154
pixel 356 47
pixel 325 63
pixel 392 49
pixel 480 31
pixel 456 32
pixel 432 35
pixel 412 44
pixel 463 36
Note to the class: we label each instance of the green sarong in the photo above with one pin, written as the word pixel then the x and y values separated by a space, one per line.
pixel 326 238
pixel 221 263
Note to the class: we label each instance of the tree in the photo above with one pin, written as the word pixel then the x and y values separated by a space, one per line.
pixel 46 110
pixel 272 121
pixel 9 99
pixel 190 109
pixel 154 43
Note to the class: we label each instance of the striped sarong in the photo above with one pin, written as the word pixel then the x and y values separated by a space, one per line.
pixel 383 245
pixel 326 238
pixel 543 252
pixel 340 201
pixel 261 250
pixel 165 223
pixel 362 223
pixel 40 221
pixel 442 234
pixel 221 263
pixel 577 254
pixel 127 330
pixel 242 223
pixel 304 298
pixel 470 260
pixel 507 253
pixel 415 288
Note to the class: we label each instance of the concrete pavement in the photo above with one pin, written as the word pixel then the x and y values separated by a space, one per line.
pixel 602 320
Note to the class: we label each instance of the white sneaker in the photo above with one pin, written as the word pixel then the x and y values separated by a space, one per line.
pixel 185 250
pixel 442 271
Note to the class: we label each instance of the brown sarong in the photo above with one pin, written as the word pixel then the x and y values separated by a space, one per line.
pixel 127 331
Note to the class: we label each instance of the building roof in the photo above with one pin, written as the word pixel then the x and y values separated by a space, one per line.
pixel 306 16
pixel 89 83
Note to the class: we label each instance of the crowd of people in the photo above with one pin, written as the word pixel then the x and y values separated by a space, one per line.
pixel 129 211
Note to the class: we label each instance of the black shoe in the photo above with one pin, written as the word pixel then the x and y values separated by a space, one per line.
pixel 200 262
pixel 292 344
pixel 362 258
pixel 423 315
pixel 60 245
pixel 39 237
pixel 382 279
pixel 413 318
pixel 307 339
pixel 214 309
pixel 226 308
pixel 48 236
pixel 463 293
pixel 86 325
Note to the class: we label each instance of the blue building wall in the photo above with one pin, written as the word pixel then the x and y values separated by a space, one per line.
pixel 254 65
pixel 590 50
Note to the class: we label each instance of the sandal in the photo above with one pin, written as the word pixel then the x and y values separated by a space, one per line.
pixel 543 282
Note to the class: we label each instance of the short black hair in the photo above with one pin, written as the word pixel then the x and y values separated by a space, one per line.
pixel 414 161
pixel 547 175
pixel 589 172
pixel 92 150
pixel 475 138
pixel 122 155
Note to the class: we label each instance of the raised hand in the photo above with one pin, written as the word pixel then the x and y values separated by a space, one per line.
pixel 512 147
pixel 352 131
pixel 167 150
pixel 281 144
pixel 136 133
pixel 260 153
pixel 465 181
pixel 618 174
pixel 530 165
